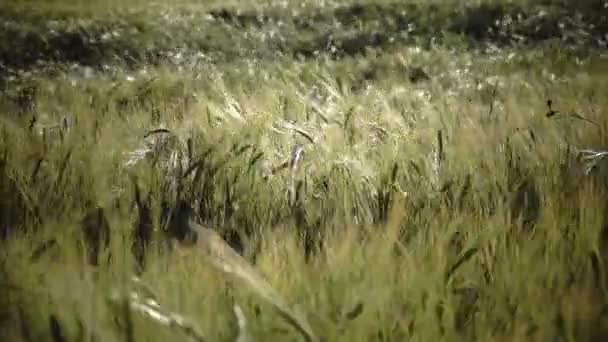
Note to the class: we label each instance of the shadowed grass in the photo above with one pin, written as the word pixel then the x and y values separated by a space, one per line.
pixel 190 33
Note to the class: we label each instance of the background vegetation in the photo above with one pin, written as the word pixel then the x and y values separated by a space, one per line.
pixel 394 170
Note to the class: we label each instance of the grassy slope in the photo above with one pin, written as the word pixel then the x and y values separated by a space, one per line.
pixel 104 34
pixel 503 242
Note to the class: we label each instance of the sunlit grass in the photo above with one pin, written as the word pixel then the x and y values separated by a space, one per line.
pixel 379 230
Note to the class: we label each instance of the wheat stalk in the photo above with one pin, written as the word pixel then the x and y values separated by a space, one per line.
pixel 221 256
pixel 149 307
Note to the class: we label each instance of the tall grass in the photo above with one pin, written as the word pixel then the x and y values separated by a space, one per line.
pixel 377 207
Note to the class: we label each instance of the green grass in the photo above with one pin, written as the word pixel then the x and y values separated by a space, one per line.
pixel 367 236
pixel 107 32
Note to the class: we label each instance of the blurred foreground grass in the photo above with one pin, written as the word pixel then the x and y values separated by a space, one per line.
pixel 415 192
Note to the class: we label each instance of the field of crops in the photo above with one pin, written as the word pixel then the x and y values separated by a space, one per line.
pixel 362 170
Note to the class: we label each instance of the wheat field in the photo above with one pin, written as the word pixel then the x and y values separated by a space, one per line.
pixel 317 171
